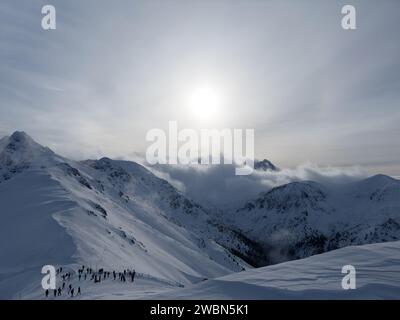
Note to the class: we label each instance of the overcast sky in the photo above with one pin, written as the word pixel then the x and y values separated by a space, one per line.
pixel 112 70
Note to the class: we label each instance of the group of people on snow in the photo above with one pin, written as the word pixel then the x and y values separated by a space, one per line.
pixel 85 273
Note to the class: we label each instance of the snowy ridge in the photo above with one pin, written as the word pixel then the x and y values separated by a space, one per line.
pixel 317 277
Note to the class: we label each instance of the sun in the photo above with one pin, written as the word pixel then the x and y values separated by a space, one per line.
pixel 205 103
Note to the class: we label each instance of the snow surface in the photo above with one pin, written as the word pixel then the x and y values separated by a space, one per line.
pixel 317 277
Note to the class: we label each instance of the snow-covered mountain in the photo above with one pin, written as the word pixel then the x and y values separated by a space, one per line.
pixel 113 214
pixel 118 215
pixel 300 219
pixel 265 165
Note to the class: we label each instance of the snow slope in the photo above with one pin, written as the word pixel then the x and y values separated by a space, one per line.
pixel 102 213
pixel 316 277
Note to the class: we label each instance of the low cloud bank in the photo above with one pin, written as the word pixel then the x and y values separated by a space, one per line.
pixel 218 185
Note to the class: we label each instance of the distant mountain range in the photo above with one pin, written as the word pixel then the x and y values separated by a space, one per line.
pixel 305 218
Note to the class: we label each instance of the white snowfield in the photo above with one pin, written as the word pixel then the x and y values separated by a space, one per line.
pixel 117 215
pixel 317 277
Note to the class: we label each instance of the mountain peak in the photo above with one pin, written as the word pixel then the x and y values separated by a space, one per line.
pixel 20 147
pixel 381 177
pixel 20 135
pixel 104 159
pixel 377 181
pixel 20 140
pixel 265 165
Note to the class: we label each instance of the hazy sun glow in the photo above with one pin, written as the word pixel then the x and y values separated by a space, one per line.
pixel 204 103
